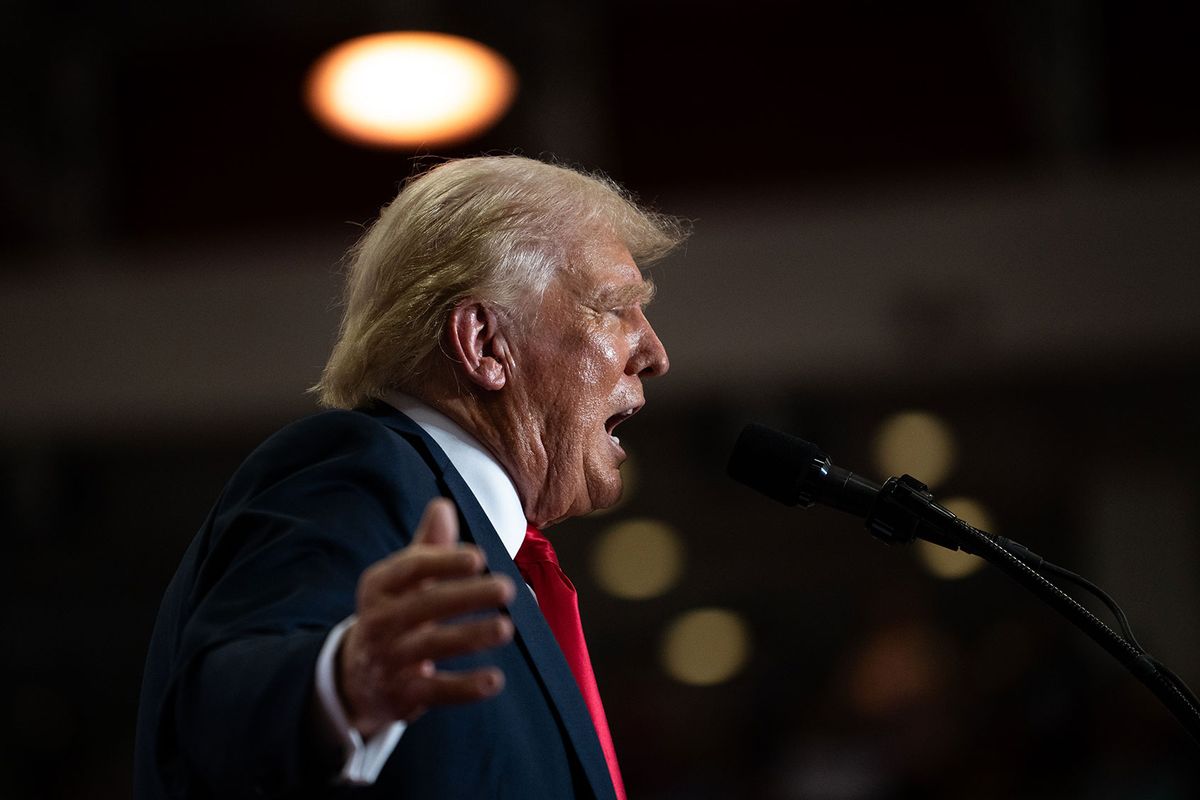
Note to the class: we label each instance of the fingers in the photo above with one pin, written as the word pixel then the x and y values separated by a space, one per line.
pixel 442 688
pixel 438 525
pixel 417 685
pixel 407 605
pixel 414 690
pixel 437 642
pixel 398 679
pixel 434 553
pixel 416 564
pixel 442 600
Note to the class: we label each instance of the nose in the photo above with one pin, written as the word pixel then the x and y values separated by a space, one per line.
pixel 649 357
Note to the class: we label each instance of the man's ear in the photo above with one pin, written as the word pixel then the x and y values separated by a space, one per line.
pixel 478 344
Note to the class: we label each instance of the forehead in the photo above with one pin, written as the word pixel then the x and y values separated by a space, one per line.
pixel 602 265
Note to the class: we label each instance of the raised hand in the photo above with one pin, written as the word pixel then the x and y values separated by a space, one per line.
pixel 386 669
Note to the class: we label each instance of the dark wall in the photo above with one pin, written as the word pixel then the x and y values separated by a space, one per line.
pixel 159 177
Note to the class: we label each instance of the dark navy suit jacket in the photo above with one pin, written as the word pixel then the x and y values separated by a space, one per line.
pixel 228 699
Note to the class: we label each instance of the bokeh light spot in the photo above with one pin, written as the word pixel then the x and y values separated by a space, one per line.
pixel 946 564
pixel 917 443
pixel 705 647
pixel 638 558
pixel 971 512
pixel 896 668
pixel 955 564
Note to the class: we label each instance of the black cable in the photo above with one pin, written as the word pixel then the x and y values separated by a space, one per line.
pixel 1101 595
pixel 1167 686
pixel 1123 621
pixel 1180 686
pixel 1038 563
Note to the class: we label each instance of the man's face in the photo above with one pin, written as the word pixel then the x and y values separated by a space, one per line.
pixel 580 365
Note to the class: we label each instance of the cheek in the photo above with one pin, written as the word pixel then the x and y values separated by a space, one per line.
pixel 588 364
pixel 602 351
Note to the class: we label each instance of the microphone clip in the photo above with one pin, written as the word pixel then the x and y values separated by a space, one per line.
pixel 905 510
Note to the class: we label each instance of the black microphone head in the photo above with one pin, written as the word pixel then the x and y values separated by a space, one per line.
pixel 774 463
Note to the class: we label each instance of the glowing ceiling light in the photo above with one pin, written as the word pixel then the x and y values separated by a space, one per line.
pixel 410 89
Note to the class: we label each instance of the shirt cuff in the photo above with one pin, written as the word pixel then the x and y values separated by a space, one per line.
pixel 364 758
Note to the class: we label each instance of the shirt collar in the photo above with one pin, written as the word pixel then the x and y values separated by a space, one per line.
pixel 487 480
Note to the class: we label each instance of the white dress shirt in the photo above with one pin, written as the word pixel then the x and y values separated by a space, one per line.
pixel 497 495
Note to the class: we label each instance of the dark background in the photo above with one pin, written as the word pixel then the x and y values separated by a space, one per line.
pixel 989 211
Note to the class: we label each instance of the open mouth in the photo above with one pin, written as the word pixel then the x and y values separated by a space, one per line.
pixel 612 422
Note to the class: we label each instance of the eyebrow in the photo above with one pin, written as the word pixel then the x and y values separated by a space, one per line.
pixel 628 294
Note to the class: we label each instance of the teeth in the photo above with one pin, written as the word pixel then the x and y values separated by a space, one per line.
pixel 615 420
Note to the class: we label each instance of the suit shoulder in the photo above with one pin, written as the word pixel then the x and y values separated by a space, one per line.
pixel 330 432
pixel 331 443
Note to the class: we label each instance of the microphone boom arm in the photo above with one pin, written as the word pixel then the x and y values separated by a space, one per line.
pixel 905 510
pixel 796 472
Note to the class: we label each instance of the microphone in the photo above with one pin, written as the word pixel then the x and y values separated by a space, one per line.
pixel 795 472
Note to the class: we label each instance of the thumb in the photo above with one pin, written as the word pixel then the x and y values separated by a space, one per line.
pixel 439 524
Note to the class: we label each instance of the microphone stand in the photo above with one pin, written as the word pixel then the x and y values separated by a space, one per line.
pixel 905 510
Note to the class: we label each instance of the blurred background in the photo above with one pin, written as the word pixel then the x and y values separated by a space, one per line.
pixel 960 242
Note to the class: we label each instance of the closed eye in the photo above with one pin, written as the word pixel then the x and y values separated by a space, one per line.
pixel 628 297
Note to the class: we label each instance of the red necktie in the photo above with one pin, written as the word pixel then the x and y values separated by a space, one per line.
pixel 556 597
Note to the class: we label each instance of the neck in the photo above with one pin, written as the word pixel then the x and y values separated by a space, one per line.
pixel 509 436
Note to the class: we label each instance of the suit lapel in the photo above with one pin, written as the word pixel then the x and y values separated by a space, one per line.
pixel 533 635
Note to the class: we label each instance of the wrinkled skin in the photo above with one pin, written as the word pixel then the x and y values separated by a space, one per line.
pixel 542 392
pixel 580 362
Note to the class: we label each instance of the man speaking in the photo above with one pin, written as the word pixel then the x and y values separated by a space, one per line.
pixel 371 608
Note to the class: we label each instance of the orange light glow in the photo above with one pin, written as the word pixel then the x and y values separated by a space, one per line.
pixel 410 89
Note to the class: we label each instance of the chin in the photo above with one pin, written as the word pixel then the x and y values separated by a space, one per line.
pixel 606 494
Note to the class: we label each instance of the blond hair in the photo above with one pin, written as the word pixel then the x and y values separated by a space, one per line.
pixel 493 228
